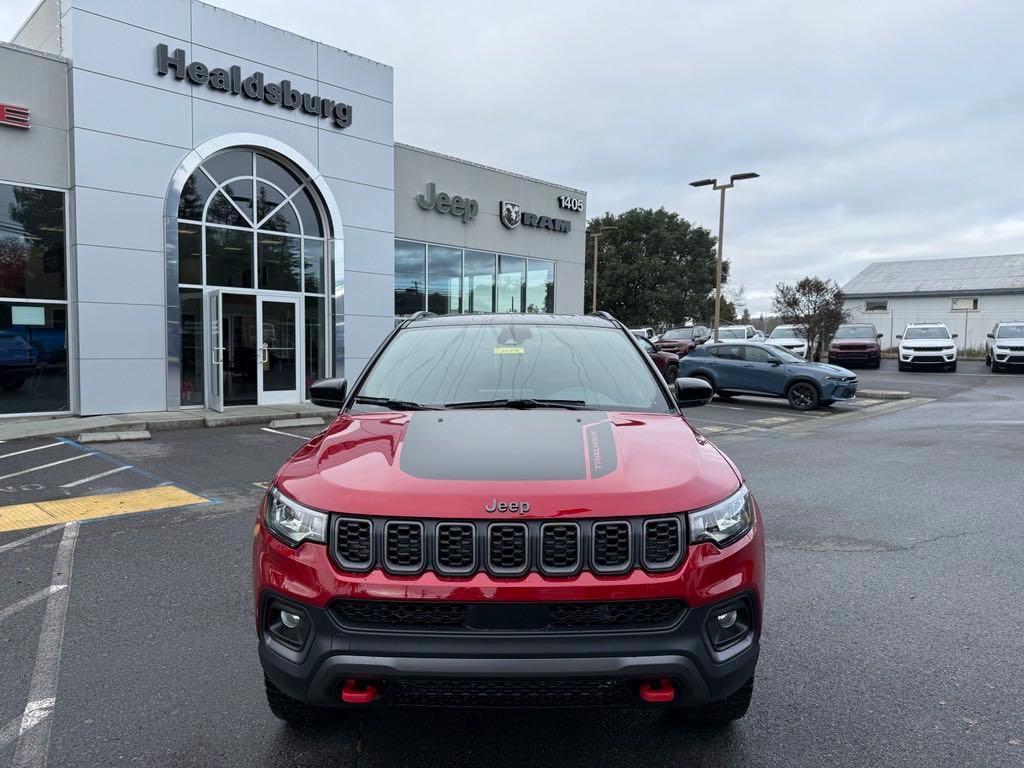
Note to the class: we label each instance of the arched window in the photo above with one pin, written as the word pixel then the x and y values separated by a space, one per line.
pixel 248 223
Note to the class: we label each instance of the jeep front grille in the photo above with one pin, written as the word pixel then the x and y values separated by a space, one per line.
pixel 509 548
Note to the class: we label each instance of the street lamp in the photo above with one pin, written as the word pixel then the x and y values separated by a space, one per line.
pixel 596 235
pixel 721 232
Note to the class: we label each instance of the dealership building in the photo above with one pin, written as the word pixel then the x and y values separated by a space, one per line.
pixel 198 210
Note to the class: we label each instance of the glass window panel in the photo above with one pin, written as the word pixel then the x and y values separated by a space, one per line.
pixel 280 262
pixel 307 211
pixel 313 259
pixel 478 282
pixel 410 277
pixel 228 257
pixel 223 212
pixel 275 173
pixel 267 199
pixel 193 197
pixel 540 286
pixel 32 253
pixel 241 192
pixel 316 358
pixel 228 165
pixel 33 358
pixel 190 253
pixel 284 220
pixel 192 388
pixel 511 283
pixel 444 271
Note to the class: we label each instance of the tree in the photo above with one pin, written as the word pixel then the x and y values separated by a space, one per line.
pixel 655 267
pixel 814 306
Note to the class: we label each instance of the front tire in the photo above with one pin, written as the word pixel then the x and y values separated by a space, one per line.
pixel 671 373
pixel 951 367
pixel 903 366
pixel 803 396
pixel 721 713
pixel 292 711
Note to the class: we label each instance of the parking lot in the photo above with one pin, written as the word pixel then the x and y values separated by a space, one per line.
pixel 893 631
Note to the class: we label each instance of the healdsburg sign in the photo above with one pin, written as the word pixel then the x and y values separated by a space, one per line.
pixel 230 80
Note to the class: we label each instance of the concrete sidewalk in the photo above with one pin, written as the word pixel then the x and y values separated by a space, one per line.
pixel 72 426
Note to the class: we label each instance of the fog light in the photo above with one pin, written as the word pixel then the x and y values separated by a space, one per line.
pixel 287 624
pixel 729 624
pixel 725 620
pixel 292 620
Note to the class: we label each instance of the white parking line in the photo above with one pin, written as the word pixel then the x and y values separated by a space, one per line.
pixel 26 602
pixel 29 450
pixel 10 732
pixel 109 472
pixel 47 466
pixel 27 539
pixel 34 734
pixel 276 432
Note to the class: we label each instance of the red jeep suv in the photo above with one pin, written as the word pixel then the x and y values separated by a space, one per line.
pixel 509 510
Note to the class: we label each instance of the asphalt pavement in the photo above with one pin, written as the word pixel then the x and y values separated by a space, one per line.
pixel 893 637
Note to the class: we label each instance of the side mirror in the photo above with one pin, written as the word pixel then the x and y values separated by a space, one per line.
pixel 880 335
pixel 774 361
pixel 990 335
pixel 956 335
pixel 899 336
pixel 691 392
pixel 330 393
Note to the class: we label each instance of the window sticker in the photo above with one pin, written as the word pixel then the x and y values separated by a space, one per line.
pixel 508 350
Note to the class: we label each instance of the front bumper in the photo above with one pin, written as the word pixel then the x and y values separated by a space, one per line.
pixel 1008 356
pixel 854 355
pixel 398 662
pixel 929 357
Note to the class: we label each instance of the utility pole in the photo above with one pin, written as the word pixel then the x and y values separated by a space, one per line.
pixel 593 287
pixel 721 234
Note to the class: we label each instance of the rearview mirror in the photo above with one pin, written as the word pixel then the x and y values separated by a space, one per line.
pixel 899 336
pixel 880 335
pixel 955 335
pixel 330 393
pixel 990 335
pixel 774 361
pixel 691 392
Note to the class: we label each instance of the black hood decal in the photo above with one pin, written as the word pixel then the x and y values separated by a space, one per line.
pixel 507 444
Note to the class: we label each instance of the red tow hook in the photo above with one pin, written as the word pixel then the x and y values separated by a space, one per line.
pixel 358 691
pixel 657 691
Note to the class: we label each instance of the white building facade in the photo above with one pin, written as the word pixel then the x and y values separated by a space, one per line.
pixel 969 295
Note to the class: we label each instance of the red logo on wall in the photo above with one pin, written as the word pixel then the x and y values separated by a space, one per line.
pixel 14 116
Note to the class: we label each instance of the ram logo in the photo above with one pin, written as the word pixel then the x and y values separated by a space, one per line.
pixel 511 214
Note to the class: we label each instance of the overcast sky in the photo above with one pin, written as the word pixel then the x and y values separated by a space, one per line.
pixel 882 130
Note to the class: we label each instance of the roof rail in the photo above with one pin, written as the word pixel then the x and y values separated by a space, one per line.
pixel 419 315
pixel 602 313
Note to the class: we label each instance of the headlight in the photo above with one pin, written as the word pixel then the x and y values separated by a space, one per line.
pixel 293 523
pixel 836 378
pixel 725 522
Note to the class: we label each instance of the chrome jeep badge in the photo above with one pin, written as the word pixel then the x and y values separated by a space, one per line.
pixel 515 507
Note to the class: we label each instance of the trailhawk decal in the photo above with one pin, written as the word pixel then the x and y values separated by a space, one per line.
pixel 508 445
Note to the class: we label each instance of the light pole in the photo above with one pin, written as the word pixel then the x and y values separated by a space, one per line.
pixel 593 297
pixel 721 233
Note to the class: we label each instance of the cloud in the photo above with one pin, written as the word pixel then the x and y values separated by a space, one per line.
pixel 881 130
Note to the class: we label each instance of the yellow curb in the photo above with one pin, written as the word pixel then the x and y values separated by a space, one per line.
pixel 19 516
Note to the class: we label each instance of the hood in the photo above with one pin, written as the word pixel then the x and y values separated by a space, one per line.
pixel 824 368
pixel 455 463
pixel 788 341
pixel 927 343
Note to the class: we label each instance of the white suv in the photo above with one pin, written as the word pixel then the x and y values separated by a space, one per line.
pixel 789 338
pixel 927 344
pixel 1005 346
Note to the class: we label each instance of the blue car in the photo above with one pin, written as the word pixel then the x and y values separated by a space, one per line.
pixel 752 368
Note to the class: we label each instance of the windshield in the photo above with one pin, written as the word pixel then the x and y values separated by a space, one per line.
pixel 926 333
pixel 1011 331
pixel 677 333
pixel 855 332
pixel 786 332
pixel 732 333
pixel 596 367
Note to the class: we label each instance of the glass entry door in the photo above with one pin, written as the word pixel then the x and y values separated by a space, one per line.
pixel 278 365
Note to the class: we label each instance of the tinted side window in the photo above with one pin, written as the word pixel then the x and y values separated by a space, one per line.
pixel 757 355
pixel 727 352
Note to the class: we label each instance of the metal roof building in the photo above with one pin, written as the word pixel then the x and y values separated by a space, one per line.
pixel 970 295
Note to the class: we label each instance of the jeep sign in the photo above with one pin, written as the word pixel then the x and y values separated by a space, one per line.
pixel 466 208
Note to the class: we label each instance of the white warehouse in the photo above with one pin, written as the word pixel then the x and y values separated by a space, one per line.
pixel 969 295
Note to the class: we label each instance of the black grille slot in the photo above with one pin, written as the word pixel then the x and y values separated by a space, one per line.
pixel 559 547
pixel 478 618
pixel 354 544
pixel 403 546
pixel 661 542
pixel 507 549
pixel 456 548
pixel 421 614
pixel 612 545
pixel 521 692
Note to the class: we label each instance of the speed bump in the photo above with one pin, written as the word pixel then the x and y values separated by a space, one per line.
pixel 19 516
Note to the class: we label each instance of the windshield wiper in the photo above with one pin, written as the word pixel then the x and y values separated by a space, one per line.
pixel 521 403
pixel 398 405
